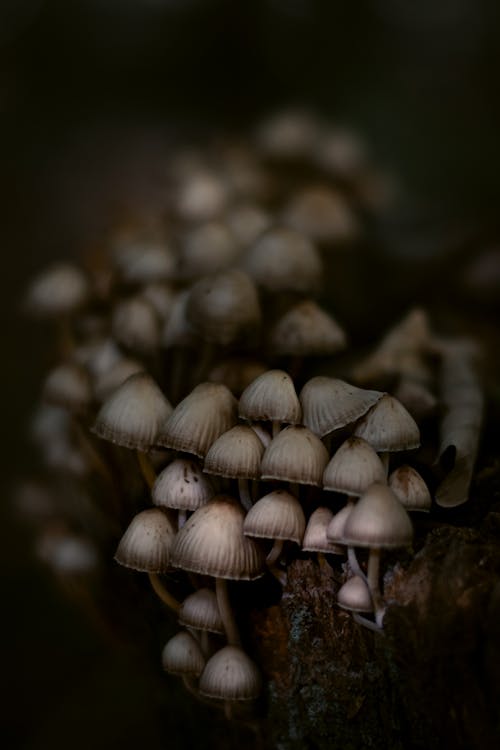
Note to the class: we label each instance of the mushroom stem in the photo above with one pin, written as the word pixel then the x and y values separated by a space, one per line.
pixel 205 643
pixel 162 593
pixel 146 468
pixel 245 498
pixel 276 427
pixel 294 488
pixel 181 518
pixel 275 552
pixel 354 565
pixel 366 623
pixel 384 457
pixel 373 584
pixel 226 613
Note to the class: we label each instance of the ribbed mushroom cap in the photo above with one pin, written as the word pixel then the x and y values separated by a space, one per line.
pixel 387 426
pixel 135 324
pixel 284 260
pixel 182 655
pixel 59 290
pixel 198 420
pixel 230 675
pixel 315 539
pixel 142 261
pixel 236 453
pixel 330 403
pixel 182 485
pixel 247 222
pixel 271 396
pixel 306 330
pixel 201 611
pixel 378 520
pixel 335 529
pixel 277 515
pixel 107 382
pixel 237 373
pixel 147 542
pixel 410 489
pixel 133 414
pixel 295 455
pixel 211 542
pixel 353 468
pixel 207 249
pixel 354 596
pixel 322 213
pixel 224 307
pixel 68 386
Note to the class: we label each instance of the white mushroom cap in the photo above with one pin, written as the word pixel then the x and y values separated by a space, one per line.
pixel 271 396
pixel 135 324
pixel 354 596
pixel 306 330
pixel 353 468
pixel 211 542
pixel 378 520
pixel 182 655
pixel 199 419
pixel 202 195
pixel 315 539
pixel 182 485
pixel 389 427
pixel 201 611
pixel 277 515
pixel 230 675
pixel 147 542
pixel 68 386
pixel 284 260
pixel 410 489
pixel 206 249
pixel 59 290
pixel 236 453
pixel 330 403
pixel 295 455
pixel 335 529
pixel 133 414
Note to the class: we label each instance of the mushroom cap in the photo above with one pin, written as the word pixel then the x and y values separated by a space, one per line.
pixel 247 221
pixel 306 330
pixel 330 403
pixel 271 396
pixel 199 419
pixel 315 539
pixel 182 655
pixel 142 260
pixel 59 290
pixel 295 455
pixel 133 414
pixel 410 489
pixel 98 355
pixel 353 468
pixel 284 260
pixel 236 453
pixel 201 611
pixel 223 307
pixel 135 324
pixel 211 542
pixel 161 297
pixel 230 675
pixel 335 529
pixel 147 542
pixel 206 249
pixel 182 485
pixel 354 596
pixel 388 426
pixel 322 213
pixel 278 515
pixel 378 520
pixel 237 373
pixel 202 195
pixel 68 385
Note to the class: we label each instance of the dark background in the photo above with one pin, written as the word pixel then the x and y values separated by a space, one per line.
pixel 91 94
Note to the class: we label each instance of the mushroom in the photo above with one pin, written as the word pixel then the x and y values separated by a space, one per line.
pixel 207 249
pixel 230 675
pixel 321 213
pixel 143 259
pixel 183 486
pixel 315 538
pixel 68 386
pixel 410 489
pixel 135 325
pixel 183 656
pixel 271 397
pixel 306 330
pixel 295 455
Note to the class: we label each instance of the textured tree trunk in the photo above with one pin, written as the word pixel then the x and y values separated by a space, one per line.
pixel 431 680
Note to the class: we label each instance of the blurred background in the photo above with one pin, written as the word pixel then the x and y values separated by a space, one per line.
pixel 93 94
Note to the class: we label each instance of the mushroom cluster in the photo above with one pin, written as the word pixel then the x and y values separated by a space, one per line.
pixel 209 353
